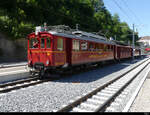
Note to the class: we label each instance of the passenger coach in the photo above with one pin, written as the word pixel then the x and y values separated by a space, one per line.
pixel 51 49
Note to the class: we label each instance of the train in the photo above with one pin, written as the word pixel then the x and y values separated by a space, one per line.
pixel 52 48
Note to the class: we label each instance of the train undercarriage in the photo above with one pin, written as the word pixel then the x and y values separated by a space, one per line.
pixel 42 71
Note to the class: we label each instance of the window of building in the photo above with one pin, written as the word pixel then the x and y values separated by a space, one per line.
pixel 76 45
pixel 60 44
pixel 84 46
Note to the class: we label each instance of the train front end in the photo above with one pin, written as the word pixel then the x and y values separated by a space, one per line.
pixel 39 52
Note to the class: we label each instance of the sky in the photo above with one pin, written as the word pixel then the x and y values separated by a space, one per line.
pixel 135 12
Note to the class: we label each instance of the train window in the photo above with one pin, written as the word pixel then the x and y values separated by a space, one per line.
pixel 112 48
pixel 76 45
pixel 60 44
pixel 33 43
pixel 91 47
pixel 84 46
pixel 105 47
pixel 48 43
pixel 108 47
pixel 97 47
pixel 42 42
pixel 101 46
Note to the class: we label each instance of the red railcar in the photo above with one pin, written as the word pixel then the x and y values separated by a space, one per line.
pixel 123 52
pixel 51 49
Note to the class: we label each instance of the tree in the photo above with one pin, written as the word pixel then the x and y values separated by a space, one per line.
pixel 19 17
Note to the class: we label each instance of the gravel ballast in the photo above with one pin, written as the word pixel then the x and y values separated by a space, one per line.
pixel 51 95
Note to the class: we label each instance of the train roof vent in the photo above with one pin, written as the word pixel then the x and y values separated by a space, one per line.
pixel 87 34
pixel 38 29
pixel 67 30
pixel 54 29
pixel 60 29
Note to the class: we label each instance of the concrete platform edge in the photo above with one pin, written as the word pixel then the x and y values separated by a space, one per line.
pixel 127 107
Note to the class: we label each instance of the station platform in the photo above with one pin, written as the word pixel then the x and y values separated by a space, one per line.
pixel 142 101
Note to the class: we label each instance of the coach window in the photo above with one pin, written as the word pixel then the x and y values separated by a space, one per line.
pixel 105 47
pixel 76 45
pixel 60 44
pixel 91 47
pixel 111 47
pixel 101 46
pixel 83 46
pixel 42 42
pixel 33 43
pixel 97 47
pixel 48 43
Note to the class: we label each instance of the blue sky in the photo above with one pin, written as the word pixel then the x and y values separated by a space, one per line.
pixel 132 11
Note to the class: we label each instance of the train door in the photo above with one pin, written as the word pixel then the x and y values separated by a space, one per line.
pixel 118 52
pixel 115 52
pixel 68 50
pixel 33 48
pixel 45 47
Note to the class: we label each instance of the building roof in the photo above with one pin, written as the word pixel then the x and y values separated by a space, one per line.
pixel 147 38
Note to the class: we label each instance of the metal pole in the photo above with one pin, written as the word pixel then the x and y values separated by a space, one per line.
pixel 133 42
pixel 77 27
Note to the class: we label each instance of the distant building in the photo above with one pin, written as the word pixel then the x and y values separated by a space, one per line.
pixel 144 41
pixel 144 44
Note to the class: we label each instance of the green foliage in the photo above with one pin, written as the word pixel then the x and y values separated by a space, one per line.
pixel 19 17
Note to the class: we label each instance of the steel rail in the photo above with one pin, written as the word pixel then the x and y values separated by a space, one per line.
pixel 108 102
pixel 6 66
pixel 21 85
pixel 18 82
pixel 85 97
pixel 13 85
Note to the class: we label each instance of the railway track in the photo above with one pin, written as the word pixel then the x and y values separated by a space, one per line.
pixel 6 87
pixel 19 84
pixel 11 65
pixel 101 98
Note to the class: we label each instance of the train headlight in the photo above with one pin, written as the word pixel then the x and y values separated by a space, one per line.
pixel 29 61
pixel 47 62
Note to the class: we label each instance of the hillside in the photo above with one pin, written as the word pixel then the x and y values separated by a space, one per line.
pixel 19 17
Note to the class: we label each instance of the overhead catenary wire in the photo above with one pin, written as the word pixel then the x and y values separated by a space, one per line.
pixel 111 9
pixel 140 25
pixel 128 14
pixel 123 11
pixel 131 11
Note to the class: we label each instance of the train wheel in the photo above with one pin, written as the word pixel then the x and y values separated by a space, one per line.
pixel 32 73
pixel 41 73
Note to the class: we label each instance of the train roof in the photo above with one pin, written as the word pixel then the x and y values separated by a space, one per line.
pixel 76 34
pixel 83 37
